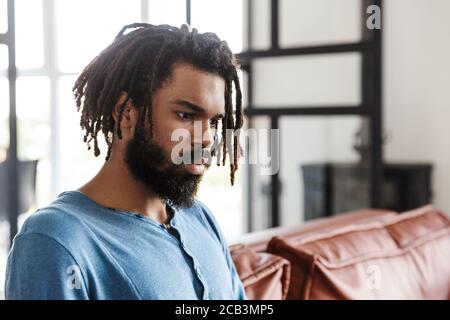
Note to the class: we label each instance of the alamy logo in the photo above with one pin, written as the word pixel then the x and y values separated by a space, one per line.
pixel 74 280
pixel 374 20
pixel 373 280
pixel 263 146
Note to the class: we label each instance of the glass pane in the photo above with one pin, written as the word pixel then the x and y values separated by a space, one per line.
pixel 29 34
pixel 33 144
pixel 4 61
pixel 260 25
pixel 312 22
pixel 33 98
pixel 33 129
pixel 3 16
pixel 310 80
pixel 77 163
pixel 224 200
pixel 171 12
pixel 222 17
pixel 81 36
pixel 257 156
pixel 317 152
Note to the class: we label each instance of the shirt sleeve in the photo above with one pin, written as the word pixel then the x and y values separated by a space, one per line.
pixel 238 287
pixel 40 268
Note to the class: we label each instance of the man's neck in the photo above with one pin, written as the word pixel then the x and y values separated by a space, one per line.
pixel 115 187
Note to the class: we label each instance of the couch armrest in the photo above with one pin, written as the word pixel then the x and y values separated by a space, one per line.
pixel 264 276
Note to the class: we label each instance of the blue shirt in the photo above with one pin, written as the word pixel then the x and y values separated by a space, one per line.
pixel 77 249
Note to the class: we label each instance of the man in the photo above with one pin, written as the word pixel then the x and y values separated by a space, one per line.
pixel 136 231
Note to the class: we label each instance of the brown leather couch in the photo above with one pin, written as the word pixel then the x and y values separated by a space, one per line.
pixel 367 254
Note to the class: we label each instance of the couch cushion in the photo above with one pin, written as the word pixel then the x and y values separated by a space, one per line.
pixel 401 257
pixel 264 276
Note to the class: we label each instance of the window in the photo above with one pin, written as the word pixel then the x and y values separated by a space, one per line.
pixel 226 202
pixel 332 22
pixel 48 127
pixel 3 59
pixel 81 35
pixel 171 12
pixel 318 80
pixel 77 164
pixel 221 17
pixel 29 34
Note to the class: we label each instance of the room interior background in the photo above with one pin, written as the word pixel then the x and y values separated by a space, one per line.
pixel 54 39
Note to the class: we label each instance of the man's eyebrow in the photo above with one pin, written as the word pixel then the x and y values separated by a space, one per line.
pixel 189 105
pixel 196 108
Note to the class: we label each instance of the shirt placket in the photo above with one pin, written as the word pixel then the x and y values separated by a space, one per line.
pixel 170 229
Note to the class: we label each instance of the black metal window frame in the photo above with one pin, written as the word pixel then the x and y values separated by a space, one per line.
pixel 371 98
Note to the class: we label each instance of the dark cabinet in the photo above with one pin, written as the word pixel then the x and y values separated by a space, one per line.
pixel 332 188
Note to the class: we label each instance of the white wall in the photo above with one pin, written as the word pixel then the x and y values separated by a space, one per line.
pixel 416 88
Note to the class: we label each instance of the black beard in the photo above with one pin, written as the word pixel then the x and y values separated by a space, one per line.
pixel 149 164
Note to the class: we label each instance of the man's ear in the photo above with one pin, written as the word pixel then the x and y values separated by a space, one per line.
pixel 129 116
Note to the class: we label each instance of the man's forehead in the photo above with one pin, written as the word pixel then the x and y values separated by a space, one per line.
pixel 197 87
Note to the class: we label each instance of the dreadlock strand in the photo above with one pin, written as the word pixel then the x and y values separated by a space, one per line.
pixel 225 121
pixel 122 69
pixel 119 118
pixel 131 26
pixel 152 85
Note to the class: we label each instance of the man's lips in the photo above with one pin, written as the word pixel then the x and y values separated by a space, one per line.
pixel 203 160
pixel 197 169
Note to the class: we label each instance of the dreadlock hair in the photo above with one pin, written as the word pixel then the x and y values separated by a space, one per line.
pixel 138 63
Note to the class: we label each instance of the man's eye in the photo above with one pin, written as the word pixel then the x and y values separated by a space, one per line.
pixel 185 116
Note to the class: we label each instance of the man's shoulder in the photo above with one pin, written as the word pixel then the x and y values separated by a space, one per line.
pixel 56 222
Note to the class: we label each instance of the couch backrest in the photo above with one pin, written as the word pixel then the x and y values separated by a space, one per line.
pixel 258 240
pixel 267 276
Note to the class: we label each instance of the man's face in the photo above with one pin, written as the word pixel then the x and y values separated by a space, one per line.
pixel 191 98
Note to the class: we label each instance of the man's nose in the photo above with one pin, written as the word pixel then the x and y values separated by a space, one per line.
pixel 203 134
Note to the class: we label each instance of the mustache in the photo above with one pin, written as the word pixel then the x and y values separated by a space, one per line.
pixel 196 155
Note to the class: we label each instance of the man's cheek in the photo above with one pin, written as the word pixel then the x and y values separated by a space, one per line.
pixel 180 153
pixel 180 146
